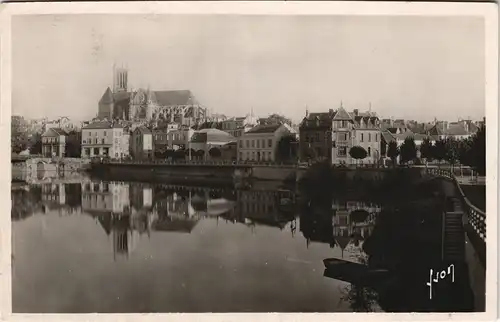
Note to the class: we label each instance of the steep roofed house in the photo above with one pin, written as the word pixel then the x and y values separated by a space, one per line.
pixel 54 142
pixel 315 136
pixel 260 143
pixel 355 129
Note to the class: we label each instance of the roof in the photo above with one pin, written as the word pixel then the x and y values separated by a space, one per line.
pixel 387 136
pixel 415 136
pixel 143 130
pixel 107 98
pixel 98 125
pixel 342 115
pixel 54 131
pixel 456 129
pixel 264 128
pixel 342 241
pixel 178 97
pixel 211 135
pixel 324 119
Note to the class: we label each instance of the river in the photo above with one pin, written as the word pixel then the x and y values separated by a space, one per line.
pixel 125 247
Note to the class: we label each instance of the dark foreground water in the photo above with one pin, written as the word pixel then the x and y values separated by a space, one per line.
pixel 94 246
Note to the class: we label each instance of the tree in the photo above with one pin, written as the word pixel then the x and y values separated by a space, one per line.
pixel 276 118
pixel 73 145
pixel 408 150
pixel 451 151
pixel 214 152
pixel 426 149
pixel 393 151
pixel 358 153
pixel 35 143
pixel 287 148
pixel 478 150
pixel 439 150
pixel 18 134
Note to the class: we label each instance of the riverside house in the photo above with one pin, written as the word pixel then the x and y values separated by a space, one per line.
pixel 105 139
pixel 260 143
pixel 54 143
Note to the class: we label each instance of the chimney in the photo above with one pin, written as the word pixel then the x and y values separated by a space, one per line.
pixel 356 112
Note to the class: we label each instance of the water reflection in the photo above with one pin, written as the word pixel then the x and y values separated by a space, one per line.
pixel 246 241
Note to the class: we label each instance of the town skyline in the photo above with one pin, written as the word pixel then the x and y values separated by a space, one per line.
pixel 402 67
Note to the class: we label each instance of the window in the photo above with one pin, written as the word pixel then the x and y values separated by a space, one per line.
pixel 342 151
pixel 270 143
pixel 90 133
pixel 369 152
pixel 102 141
pixel 96 151
pixel 361 137
pixel 248 155
pixel 241 143
pixel 258 144
pixel 253 143
pixel 104 133
pixel 116 155
pixel 316 137
pixel 369 137
pixel 241 155
pixel 263 143
pixel 253 155
pixel 247 143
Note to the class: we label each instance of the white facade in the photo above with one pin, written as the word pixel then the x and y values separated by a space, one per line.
pixel 261 145
pixel 105 141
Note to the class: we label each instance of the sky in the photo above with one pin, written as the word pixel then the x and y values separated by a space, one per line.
pixel 404 67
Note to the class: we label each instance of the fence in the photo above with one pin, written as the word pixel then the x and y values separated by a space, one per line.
pixel 476 219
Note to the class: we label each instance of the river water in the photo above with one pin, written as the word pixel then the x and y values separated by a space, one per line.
pixel 85 245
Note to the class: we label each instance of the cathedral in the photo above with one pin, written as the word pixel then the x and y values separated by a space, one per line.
pixel 139 105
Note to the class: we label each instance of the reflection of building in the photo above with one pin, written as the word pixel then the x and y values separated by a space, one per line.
pixel 317 228
pixel 105 197
pixel 259 207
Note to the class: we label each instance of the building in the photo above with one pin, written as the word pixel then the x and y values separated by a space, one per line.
pixel 236 126
pixel 179 139
pixel 105 139
pixel 355 129
pixel 315 136
pixel 206 144
pixel 260 143
pixel 141 144
pixel 461 130
pixel 54 143
pixel 160 140
pixel 63 123
pixel 124 103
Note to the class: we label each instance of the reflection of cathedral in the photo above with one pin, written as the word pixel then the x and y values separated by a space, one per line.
pixel 125 103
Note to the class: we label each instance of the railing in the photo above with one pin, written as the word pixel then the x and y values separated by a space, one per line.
pixel 195 162
pixel 476 219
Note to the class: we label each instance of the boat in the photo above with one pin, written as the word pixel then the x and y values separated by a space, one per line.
pixel 354 273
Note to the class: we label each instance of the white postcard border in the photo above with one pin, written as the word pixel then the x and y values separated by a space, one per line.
pixel 486 10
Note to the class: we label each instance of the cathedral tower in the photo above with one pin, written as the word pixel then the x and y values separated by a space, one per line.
pixel 120 79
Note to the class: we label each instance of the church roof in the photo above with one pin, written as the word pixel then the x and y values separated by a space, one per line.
pixel 107 98
pixel 179 97
pixel 163 98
